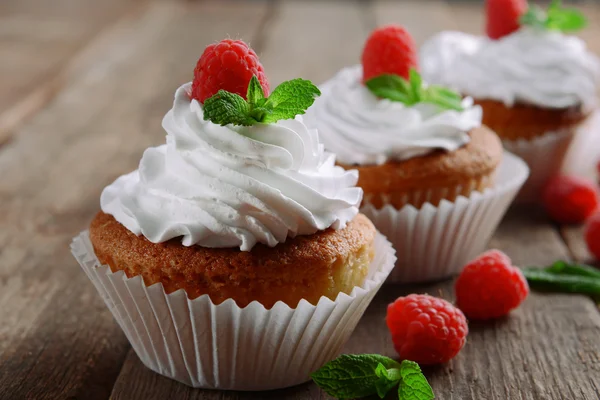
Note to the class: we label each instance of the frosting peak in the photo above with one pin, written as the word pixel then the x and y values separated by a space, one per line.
pixel 232 186
pixel 362 129
pixel 545 68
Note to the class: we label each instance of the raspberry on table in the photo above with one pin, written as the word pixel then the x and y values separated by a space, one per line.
pixel 228 65
pixel 502 17
pixel 389 50
pixel 592 235
pixel 570 199
pixel 426 329
pixel 490 287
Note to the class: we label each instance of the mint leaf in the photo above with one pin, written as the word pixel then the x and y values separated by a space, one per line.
pixel 391 87
pixel 227 108
pixel 352 376
pixel 563 267
pixel 255 92
pixel 443 97
pixel 289 99
pixel 411 92
pixel 566 20
pixel 555 17
pixel 413 385
pixel 566 283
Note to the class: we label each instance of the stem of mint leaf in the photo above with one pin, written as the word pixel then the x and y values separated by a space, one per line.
pixel 289 99
pixel 413 91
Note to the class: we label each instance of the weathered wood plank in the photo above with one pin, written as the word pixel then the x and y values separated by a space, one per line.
pixel 313 40
pixel 57 338
pixel 37 38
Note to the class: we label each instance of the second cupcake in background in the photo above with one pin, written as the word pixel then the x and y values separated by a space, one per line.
pixel 435 180
pixel 537 86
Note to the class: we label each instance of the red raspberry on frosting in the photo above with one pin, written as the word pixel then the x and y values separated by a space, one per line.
pixel 503 17
pixel 425 329
pixel 227 65
pixel 490 287
pixel 389 50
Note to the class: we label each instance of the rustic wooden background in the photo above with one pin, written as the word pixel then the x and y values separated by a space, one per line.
pixel 83 87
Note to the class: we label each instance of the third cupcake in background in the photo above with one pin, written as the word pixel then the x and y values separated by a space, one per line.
pixel 536 84
pixel 435 180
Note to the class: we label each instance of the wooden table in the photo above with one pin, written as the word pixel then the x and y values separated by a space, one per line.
pixel 83 87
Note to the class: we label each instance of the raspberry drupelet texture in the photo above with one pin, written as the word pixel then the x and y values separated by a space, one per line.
pixel 490 287
pixel 570 199
pixel 389 50
pixel 426 329
pixel 502 17
pixel 227 65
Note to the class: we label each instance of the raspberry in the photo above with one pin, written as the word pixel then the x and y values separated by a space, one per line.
pixel 592 235
pixel 227 65
pixel 569 199
pixel 503 17
pixel 489 286
pixel 389 50
pixel 425 329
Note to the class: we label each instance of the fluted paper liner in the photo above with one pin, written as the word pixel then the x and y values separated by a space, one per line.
pixel 433 243
pixel 571 150
pixel 224 346
pixel 584 153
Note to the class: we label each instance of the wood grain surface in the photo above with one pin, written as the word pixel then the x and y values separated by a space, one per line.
pixel 83 94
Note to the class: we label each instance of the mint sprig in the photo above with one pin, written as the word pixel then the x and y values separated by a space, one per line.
pixel 556 17
pixel 289 99
pixel 564 277
pixel 354 376
pixel 413 91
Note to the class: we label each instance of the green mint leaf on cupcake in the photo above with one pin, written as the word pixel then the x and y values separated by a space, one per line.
pixel 556 17
pixel 355 376
pixel 413 385
pixel 289 99
pixel 227 108
pixel 413 91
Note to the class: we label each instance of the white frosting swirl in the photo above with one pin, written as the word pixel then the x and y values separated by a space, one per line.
pixel 544 68
pixel 361 128
pixel 232 186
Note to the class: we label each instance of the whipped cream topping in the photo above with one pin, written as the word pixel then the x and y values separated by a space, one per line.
pixel 544 68
pixel 361 128
pixel 232 186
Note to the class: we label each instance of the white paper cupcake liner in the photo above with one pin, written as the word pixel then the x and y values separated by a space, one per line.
pixel 584 153
pixel 224 346
pixel 433 243
pixel 552 152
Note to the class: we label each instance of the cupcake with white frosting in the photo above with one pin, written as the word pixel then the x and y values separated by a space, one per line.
pixel 428 167
pixel 537 86
pixel 239 233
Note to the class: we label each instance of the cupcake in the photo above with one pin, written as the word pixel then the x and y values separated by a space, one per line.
pixel 429 169
pixel 237 246
pixel 536 85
